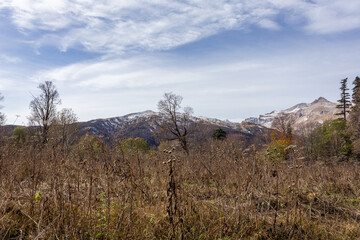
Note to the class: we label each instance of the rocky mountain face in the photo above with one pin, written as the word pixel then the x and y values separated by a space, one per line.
pixel 316 112
pixel 143 124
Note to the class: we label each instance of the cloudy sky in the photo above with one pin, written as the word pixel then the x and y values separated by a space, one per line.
pixel 229 59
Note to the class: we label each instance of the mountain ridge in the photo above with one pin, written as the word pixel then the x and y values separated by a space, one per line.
pixel 315 112
pixel 143 124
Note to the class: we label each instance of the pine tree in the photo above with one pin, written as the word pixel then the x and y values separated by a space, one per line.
pixel 354 118
pixel 344 102
pixel 355 96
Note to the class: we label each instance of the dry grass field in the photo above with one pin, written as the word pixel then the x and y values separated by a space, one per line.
pixel 218 191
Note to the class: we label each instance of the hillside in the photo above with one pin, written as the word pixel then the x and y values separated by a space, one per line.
pixel 316 112
pixel 143 124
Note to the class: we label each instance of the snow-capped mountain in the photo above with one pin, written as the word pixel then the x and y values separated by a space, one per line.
pixel 316 112
pixel 143 124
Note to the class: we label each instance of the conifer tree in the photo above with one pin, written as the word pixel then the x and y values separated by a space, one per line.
pixel 219 134
pixel 354 118
pixel 344 102
pixel 355 96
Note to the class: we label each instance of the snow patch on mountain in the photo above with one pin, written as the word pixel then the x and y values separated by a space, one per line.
pixel 316 112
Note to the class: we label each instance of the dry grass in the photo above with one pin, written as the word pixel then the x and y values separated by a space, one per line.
pixel 222 193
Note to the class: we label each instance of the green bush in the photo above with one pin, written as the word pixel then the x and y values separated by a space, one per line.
pixel 331 139
pixel 135 145
pixel 277 150
pixel 19 135
pixel 89 146
pixel 219 134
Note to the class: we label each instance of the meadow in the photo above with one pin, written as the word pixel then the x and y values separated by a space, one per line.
pixel 220 190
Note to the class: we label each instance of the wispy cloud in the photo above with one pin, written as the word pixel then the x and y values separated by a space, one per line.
pixel 117 73
pixel 114 26
pixel 333 16
pixel 9 59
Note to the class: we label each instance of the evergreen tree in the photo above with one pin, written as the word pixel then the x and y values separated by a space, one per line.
pixel 356 97
pixel 354 118
pixel 344 102
pixel 331 139
pixel 219 134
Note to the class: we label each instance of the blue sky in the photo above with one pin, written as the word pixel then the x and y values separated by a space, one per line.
pixel 228 59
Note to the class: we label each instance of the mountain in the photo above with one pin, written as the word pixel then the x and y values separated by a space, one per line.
pixel 316 112
pixel 143 124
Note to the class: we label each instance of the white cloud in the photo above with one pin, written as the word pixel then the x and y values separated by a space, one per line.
pixel 114 26
pixel 231 84
pixel 116 73
pixel 269 24
pixel 333 16
pixel 323 16
pixel 9 59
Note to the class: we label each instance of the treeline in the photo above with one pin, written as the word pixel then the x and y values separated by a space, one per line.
pixel 47 125
pixel 60 129
pixel 338 138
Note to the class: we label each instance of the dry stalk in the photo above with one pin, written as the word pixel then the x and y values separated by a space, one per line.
pixel 172 198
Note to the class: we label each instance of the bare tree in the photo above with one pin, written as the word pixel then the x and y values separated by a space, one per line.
pixel 2 122
pixel 43 108
pixel 176 124
pixel 66 128
pixel 305 138
pixel 283 123
pixel 2 116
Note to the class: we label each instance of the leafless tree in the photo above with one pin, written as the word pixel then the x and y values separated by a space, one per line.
pixel 176 124
pixel 284 124
pixel 2 116
pixel 306 140
pixel 66 128
pixel 43 108
pixel 2 122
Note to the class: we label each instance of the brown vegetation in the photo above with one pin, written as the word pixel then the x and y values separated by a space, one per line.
pixel 218 191
pixel 285 185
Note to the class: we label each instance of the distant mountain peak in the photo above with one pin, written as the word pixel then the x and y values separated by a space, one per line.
pixel 141 114
pixel 297 107
pixel 321 99
pixel 316 112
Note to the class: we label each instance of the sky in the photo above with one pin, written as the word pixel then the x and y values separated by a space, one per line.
pixel 228 59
